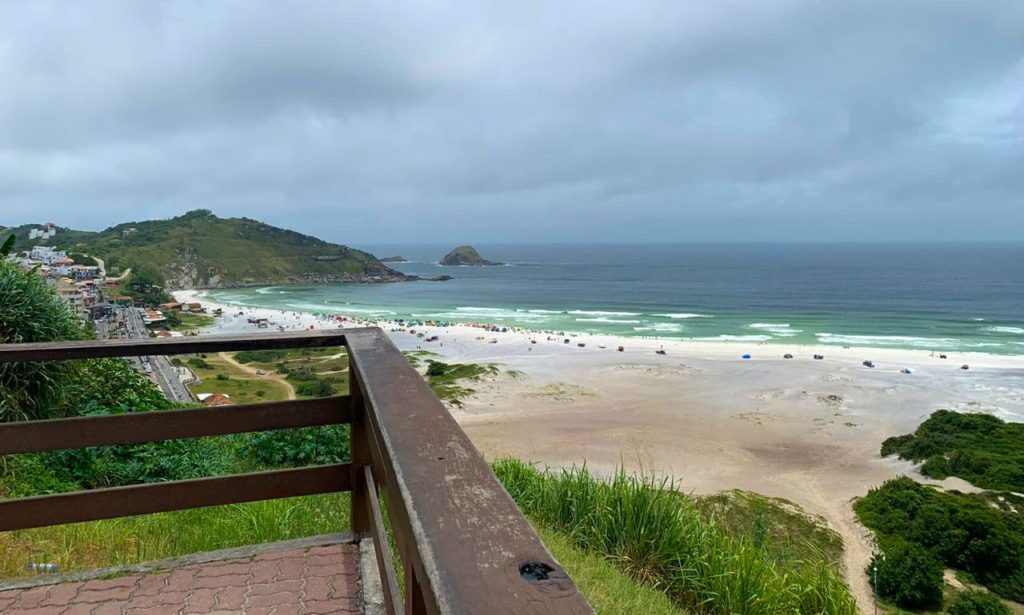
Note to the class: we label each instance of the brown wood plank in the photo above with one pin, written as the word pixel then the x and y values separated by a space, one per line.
pixel 80 432
pixel 97 504
pixel 469 536
pixel 92 349
pixel 392 595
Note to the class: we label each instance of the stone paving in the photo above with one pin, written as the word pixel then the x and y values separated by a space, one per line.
pixel 313 580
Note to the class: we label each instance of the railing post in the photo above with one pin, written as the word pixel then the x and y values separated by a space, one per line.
pixel 360 447
pixel 414 604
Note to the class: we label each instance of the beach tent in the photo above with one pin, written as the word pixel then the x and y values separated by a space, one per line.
pixel 746 356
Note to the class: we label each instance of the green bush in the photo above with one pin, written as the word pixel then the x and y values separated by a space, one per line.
pixel 436 369
pixel 260 356
pixel 907 575
pixel 223 376
pixel 199 363
pixel 975 602
pixel 978 533
pixel 30 311
pixel 315 388
pixel 979 448
pixel 299 447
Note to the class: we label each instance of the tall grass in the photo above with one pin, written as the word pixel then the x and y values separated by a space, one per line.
pixel 658 536
pixel 115 542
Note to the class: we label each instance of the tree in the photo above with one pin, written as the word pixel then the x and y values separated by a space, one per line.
pixel 976 602
pixel 908 575
pixel 31 312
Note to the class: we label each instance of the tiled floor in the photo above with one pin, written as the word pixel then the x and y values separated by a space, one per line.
pixel 314 580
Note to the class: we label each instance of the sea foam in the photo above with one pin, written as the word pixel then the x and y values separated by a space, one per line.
pixel 1014 330
pixel 891 340
pixel 684 315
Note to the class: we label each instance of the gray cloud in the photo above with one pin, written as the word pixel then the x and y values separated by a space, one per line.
pixel 663 120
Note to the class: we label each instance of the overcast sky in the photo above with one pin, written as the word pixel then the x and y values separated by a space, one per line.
pixel 368 122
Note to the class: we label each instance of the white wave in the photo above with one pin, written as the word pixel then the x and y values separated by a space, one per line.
pixel 985 345
pixel 616 321
pixel 546 311
pixel 600 313
pixel 902 340
pixel 978 319
pixel 735 338
pixel 781 329
pixel 364 310
pixel 661 327
pixel 1014 330
pixel 684 315
pixel 270 290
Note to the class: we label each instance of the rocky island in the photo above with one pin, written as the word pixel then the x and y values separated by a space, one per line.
pixel 394 259
pixel 466 255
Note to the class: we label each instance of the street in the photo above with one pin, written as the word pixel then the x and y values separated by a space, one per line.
pixel 126 322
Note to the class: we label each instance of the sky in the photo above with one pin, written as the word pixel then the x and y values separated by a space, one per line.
pixel 527 121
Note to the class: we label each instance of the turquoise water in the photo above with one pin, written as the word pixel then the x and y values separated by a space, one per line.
pixel 959 297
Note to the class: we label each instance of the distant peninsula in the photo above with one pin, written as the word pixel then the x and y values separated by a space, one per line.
pixel 394 259
pixel 466 255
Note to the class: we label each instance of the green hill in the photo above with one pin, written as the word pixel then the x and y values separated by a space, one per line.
pixel 200 250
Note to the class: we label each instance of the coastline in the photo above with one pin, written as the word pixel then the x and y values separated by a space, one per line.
pixel 801 429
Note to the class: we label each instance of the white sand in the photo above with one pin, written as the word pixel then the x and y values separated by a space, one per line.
pixel 703 415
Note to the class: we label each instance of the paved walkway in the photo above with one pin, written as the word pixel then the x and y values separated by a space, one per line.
pixel 314 580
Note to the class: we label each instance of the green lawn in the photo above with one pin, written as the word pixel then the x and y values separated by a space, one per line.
pixel 243 387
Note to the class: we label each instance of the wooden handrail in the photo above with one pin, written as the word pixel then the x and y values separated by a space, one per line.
pixel 135 428
pixel 463 542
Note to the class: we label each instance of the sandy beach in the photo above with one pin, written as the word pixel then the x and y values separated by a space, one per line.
pixel 802 429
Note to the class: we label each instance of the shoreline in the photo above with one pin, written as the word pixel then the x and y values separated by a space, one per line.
pixel 892 359
pixel 805 430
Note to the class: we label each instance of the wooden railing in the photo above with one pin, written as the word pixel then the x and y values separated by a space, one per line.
pixel 464 545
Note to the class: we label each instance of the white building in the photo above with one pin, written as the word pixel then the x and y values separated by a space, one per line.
pixel 47 255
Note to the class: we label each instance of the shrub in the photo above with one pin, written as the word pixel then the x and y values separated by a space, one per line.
pixel 978 533
pixel 260 356
pixel 315 388
pixel 976 602
pixel 223 377
pixel 299 447
pixel 436 369
pixel 199 363
pixel 30 311
pixel 907 575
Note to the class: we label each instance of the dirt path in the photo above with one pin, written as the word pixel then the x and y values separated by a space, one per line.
pixel 268 376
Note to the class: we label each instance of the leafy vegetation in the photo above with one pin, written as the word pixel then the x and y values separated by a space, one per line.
pixel 445 379
pixel 982 449
pixel 907 575
pixel 975 602
pixel 659 537
pixel 31 312
pixel 982 534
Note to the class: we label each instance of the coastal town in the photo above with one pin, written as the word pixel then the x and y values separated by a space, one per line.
pixel 82 282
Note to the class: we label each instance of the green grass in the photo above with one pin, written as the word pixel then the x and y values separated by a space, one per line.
pixel 659 538
pixel 243 387
pixel 447 379
pixel 777 525
pixel 609 591
pixel 189 321
pixel 116 542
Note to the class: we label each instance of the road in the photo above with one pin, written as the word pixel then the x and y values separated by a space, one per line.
pixel 127 322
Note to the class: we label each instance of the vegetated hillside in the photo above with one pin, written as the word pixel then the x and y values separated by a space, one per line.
pixel 979 448
pixel 979 533
pixel 200 250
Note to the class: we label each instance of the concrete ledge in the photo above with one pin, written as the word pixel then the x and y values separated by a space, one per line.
pixel 186 560
pixel 371 590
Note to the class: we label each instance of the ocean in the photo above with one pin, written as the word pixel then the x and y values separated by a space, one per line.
pixel 942 297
